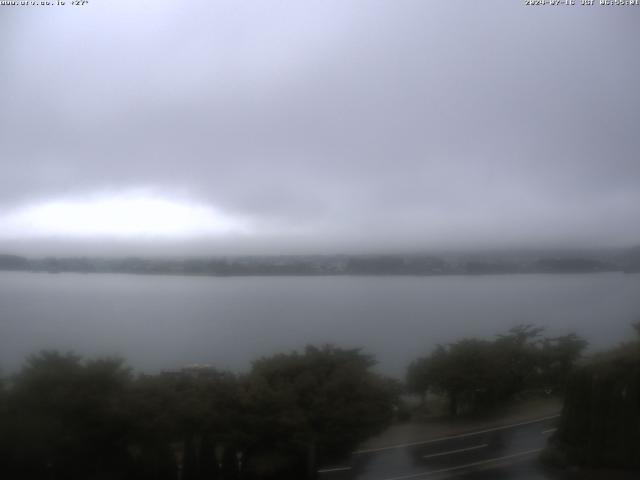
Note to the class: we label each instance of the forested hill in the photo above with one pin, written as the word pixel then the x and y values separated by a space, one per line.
pixel 465 264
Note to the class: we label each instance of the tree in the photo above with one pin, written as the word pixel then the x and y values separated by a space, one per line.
pixel 600 421
pixel 558 356
pixel 465 372
pixel 4 439
pixel 323 401
pixel 518 358
pixel 66 417
pixel 180 419
pixel 417 379
pixel 479 374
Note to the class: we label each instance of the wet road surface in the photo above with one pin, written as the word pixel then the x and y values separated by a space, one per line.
pixel 504 452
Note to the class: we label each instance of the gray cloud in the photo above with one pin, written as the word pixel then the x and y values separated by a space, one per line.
pixel 404 124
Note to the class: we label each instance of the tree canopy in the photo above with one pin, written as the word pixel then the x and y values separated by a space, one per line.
pixel 63 417
pixel 477 374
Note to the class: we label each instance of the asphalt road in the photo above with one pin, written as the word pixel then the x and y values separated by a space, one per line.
pixel 504 452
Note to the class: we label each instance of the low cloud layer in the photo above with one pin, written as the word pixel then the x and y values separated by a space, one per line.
pixel 324 125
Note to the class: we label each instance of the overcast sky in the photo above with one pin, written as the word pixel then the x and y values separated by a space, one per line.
pixel 318 126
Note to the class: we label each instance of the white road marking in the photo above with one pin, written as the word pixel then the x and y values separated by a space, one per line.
pixel 550 430
pixel 336 469
pixel 450 452
pixel 453 437
pixel 467 465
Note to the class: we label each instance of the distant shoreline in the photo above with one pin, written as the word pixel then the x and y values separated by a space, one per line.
pixel 316 275
pixel 328 265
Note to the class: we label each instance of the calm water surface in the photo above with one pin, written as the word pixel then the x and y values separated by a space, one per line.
pixel 159 322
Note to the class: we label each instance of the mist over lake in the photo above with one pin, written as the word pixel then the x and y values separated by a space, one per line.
pixel 166 322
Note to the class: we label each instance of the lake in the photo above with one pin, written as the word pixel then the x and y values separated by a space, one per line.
pixel 164 322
